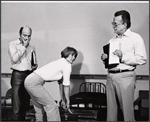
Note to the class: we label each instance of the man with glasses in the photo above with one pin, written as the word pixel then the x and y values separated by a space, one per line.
pixel 121 79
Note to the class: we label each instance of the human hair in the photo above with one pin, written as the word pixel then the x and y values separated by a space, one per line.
pixel 67 51
pixel 21 29
pixel 125 17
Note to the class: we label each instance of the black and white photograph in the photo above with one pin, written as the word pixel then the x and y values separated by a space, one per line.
pixel 75 61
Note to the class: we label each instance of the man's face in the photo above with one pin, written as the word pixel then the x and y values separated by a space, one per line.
pixel 26 35
pixel 118 25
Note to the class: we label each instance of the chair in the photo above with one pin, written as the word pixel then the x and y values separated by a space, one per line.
pixel 142 103
pixel 7 103
pixel 95 87
pixel 91 94
pixel 7 107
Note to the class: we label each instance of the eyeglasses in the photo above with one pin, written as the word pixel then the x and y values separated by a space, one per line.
pixel 114 24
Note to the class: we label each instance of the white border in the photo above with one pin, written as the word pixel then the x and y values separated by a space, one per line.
pixel 75 1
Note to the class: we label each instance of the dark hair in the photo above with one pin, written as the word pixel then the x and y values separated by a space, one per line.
pixel 125 17
pixel 21 29
pixel 67 51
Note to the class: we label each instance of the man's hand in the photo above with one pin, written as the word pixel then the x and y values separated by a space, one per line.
pixel 25 43
pixel 118 53
pixel 104 56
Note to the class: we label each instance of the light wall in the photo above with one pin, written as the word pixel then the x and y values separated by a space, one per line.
pixel 83 25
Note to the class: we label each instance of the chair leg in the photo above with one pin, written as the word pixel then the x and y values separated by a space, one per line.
pixel 7 115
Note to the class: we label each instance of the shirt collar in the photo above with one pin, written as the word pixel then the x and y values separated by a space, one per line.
pixel 18 41
pixel 127 34
pixel 66 60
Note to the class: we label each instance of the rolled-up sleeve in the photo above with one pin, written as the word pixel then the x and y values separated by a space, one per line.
pixel 139 57
pixel 66 76
pixel 14 53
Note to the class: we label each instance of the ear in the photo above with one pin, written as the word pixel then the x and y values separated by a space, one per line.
pixel 125 25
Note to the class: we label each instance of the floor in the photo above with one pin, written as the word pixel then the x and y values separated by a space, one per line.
pixel 100 117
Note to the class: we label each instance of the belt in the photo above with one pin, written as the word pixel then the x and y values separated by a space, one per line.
pixel 119 71
pixel 26 71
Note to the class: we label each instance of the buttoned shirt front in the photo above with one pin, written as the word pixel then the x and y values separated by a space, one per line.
pixel 55 70
pixel 133 50
pixel 21 56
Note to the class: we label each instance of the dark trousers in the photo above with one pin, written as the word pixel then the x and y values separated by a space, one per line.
pixel 20 97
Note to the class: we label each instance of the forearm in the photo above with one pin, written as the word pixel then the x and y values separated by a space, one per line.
pixel 67 94
pixel 61 92
pixel 136 55
pixel 15 55
pixel 134 60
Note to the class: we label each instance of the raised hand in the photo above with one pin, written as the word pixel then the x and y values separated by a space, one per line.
pixel 118 53
pixel 104 56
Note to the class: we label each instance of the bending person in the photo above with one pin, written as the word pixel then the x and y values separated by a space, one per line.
pixel 53 71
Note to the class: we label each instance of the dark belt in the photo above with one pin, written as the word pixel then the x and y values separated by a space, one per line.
pixel 119 71
pixel 26 71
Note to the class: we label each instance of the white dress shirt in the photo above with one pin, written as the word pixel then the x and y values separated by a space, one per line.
pixel 54 71
pixel 133 50
pixel 21 56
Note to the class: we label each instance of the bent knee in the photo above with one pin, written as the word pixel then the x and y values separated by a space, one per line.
pixel 49 108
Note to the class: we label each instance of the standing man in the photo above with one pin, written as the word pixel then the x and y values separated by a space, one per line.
pixel 121 79
pixel 23 62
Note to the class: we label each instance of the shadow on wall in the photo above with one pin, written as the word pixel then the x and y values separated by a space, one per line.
pixel 77 64
pixel 76 68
